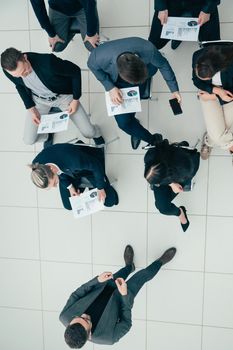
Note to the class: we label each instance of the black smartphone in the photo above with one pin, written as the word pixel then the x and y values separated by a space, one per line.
pixel 175 106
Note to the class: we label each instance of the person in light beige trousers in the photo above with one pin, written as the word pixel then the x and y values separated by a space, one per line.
pixel 213 75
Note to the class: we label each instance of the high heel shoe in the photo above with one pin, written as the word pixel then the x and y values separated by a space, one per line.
pixel 185 226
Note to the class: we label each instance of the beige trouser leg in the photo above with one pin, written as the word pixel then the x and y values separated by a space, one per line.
pixel 218 120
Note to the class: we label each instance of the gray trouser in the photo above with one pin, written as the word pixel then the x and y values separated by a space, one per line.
pixel 61 25
pixel 79 118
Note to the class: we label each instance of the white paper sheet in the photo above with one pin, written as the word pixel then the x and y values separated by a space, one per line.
pixel 51 123
pixel 181 28
pixel 86 203
pixel 131 102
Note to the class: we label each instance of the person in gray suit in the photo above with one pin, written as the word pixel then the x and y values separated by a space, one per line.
pixel 125 63
pixel 100 310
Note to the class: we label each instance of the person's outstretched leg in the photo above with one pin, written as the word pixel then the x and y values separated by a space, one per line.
pixel 129 124
pixel 136 282
pixel 129 265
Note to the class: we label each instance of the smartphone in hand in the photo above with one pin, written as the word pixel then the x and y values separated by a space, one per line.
pixel 175 106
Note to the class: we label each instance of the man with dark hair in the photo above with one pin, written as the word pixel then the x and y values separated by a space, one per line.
pixel 100 310
pixel 125 63
pixel 44 81
pixel 132 69
pixel 62 15
pixel 205 10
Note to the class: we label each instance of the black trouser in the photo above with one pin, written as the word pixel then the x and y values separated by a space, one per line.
pixel 127 122
pixel 163 200
pixel 208 31
pixel 136 282
pixel 111 194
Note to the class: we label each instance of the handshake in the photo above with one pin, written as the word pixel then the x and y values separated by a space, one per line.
pixel 120 282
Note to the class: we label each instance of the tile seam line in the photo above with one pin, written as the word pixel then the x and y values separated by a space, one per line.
pixel 134 319
pixel 113 265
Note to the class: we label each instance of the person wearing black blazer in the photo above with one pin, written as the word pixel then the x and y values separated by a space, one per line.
pixel 44 81
pixel 100 310
pixel 213 76
pixel 73 167
pixel 205 10
pixel 59 21
pixel 130 62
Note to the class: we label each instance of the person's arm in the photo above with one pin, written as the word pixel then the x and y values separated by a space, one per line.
pixel 125 318
pixel 42 16
pixel 65 180
pixel 210 5
pixel 94 64
pixel 66 68
pixel 92 20
pixel 165 69
pixel 160 5
pixel 205 85
pixel 76 295
pixel 23 91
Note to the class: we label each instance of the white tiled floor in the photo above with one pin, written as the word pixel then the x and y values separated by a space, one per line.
pixel 45 254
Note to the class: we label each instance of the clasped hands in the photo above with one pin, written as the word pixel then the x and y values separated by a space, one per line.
pixel 176 188
pixel 225 95
pixel 120 282
pixel 101 193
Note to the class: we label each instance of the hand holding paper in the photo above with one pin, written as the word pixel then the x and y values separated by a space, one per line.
pixel 101 195
pixel 116 96
pixel 55 122
pixel 130 101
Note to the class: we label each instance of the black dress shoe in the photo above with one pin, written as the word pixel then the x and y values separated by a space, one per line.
pixel 185 226
pixel 49 141
pixel 99 140
pixel 167 256
pixel 129 256
pixel 135 142
pixel 175 44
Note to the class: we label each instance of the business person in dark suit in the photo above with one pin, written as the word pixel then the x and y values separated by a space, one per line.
pixel 44 81
pixel 59 21
pixel 125 63
pixel 205 10
pixel 73 168
pixel 213 75
pixel 169 169
pixel 100 310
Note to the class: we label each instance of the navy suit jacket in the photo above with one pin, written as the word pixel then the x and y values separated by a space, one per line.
pixel 73 159
pixel 103 61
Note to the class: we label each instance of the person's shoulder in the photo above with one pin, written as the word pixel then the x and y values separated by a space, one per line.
pixel 196 54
